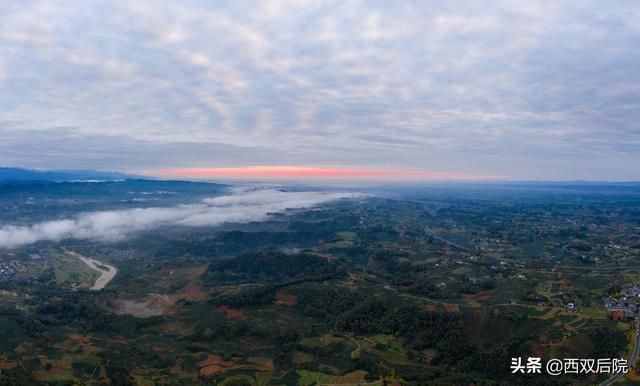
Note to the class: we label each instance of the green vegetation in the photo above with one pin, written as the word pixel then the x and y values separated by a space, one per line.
pixel 269 267
pixel 432 286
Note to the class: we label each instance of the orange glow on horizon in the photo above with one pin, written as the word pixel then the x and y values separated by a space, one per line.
pixel 303 172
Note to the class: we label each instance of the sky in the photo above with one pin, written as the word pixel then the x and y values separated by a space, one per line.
pixel 527 90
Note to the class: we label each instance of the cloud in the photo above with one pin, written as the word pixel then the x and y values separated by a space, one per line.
pixel 241 207
pixel 457 87
pixel 299 172
pixel 44 148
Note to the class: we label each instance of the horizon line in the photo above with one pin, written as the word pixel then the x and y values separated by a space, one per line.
pixel 314 173
pixel 149 173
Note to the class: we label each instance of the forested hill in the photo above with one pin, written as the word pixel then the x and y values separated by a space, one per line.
pixel 20 174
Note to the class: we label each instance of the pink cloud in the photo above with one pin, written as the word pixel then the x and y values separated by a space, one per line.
pixel 303 172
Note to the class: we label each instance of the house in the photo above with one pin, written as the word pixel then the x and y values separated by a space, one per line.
pixel 628 305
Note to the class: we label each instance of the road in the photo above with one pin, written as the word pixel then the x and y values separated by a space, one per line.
pixel 631 361
pixel 616 269
pixel 636 349
pixel 355 352
pixel 599 269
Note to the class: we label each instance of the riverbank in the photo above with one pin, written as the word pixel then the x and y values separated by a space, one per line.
pixel 107 272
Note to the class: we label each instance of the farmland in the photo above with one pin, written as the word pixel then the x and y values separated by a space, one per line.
pixel 383 290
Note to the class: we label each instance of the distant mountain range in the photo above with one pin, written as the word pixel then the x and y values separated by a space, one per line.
pixel 21 174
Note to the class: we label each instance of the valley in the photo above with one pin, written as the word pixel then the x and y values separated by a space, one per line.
pixel 373 290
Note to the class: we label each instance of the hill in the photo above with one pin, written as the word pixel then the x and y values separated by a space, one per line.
pixel 21 174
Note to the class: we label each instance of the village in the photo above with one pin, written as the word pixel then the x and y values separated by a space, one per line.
pixel 8 269
pixel 627 306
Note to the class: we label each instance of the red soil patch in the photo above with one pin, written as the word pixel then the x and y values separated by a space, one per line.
pixel 212 370
pixel 261 363
pixel 7 365
pixel 118 340
pixel 74 341
pixel 53 368
pixel 214 365
pixel 565 283
pixel 450 307
pixel 485 297
pixel 64 363
pixel 617 315
pixel 285 298
pixel 193 292
pixel 354 378
pixel 231 313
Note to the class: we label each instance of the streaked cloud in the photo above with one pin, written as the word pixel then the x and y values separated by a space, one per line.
pixel 535 90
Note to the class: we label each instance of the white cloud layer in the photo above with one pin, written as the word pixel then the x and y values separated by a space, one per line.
pixel 529 89
pixel 242 207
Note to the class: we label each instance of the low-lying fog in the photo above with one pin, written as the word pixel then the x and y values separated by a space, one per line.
pixel 238 207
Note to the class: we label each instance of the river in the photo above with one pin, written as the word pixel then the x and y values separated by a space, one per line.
pixel 106 275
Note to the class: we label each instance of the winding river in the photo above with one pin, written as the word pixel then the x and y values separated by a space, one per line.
pixel 106 275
